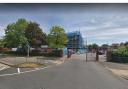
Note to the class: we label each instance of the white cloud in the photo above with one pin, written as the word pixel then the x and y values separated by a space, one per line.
pixel 96 23
pixel 112 32
pixel 108 29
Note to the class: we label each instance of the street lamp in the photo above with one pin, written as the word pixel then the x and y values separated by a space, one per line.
pixel 86 50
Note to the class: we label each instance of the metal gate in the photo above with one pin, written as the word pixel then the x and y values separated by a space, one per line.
pixel 90 56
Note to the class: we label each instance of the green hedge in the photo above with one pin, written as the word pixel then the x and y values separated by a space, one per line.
pixel 54 53
pixel 122 51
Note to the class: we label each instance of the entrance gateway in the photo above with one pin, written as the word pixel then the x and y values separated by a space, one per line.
pixel 88 56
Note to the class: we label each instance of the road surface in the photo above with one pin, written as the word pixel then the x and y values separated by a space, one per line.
pixel 73 74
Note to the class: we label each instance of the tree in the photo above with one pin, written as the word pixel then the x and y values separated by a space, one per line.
pixel 14 33
pixel 1 43
pixel 104 46
pixel 115 45
pixel 35 35
pixel 57 37
pixel 89 47
pixel 121 44
pixel 126 43
pixel 94 46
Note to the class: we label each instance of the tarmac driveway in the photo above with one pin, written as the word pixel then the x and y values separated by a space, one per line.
pixel 73 74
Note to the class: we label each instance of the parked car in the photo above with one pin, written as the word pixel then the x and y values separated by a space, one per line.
pixel 100 52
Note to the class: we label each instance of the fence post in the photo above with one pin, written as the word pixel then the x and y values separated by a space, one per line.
pixel 108 54
pixel 97 56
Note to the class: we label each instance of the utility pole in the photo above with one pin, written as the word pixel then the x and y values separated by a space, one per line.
pixel 86 50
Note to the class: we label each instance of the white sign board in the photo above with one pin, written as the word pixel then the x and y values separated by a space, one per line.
pixel 44 46
pixel 14 49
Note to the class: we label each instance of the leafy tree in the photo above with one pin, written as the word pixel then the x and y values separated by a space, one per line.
pixel 115 45
pixel 126 43
pixel 94 46
pixel 1 43
pixel 14 33
pixel 89 47
pixel 104 46
pixel 121 44
pixel 35 35
pixel 57 37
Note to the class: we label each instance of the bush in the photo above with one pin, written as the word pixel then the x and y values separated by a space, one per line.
pixel 121 52
pixel 120 55
pixel 35 53
pixel 57 53
pixel 22 52
pixel 54 53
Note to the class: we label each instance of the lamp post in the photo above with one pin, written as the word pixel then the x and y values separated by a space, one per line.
pixel 86 50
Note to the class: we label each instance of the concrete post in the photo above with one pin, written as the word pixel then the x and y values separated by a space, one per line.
pixel 108 54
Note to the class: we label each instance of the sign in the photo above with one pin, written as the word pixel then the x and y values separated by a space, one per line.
pixel 14 49
pixel 44 46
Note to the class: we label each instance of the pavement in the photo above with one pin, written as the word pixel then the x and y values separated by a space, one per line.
pixel 72 74
pixel 11 61
pixel 7 63
pixel 119 69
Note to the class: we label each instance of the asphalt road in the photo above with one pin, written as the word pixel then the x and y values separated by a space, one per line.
pixel 73 74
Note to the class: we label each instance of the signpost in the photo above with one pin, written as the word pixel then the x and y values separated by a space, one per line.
pixel 27 51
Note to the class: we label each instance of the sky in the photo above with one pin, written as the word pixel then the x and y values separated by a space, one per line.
pixel 98 23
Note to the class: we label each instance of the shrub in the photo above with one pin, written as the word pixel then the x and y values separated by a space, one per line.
pixel 121 52
pixel 22 52
pixel 54 53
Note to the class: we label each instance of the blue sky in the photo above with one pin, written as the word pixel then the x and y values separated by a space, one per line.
pixel 99 23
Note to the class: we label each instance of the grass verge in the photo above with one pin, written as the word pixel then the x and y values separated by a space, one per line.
pixel 29 65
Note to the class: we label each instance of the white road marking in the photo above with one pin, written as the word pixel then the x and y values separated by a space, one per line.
pixel 2 68
pixel 18 69
pixel 36 69
pixel 24 71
